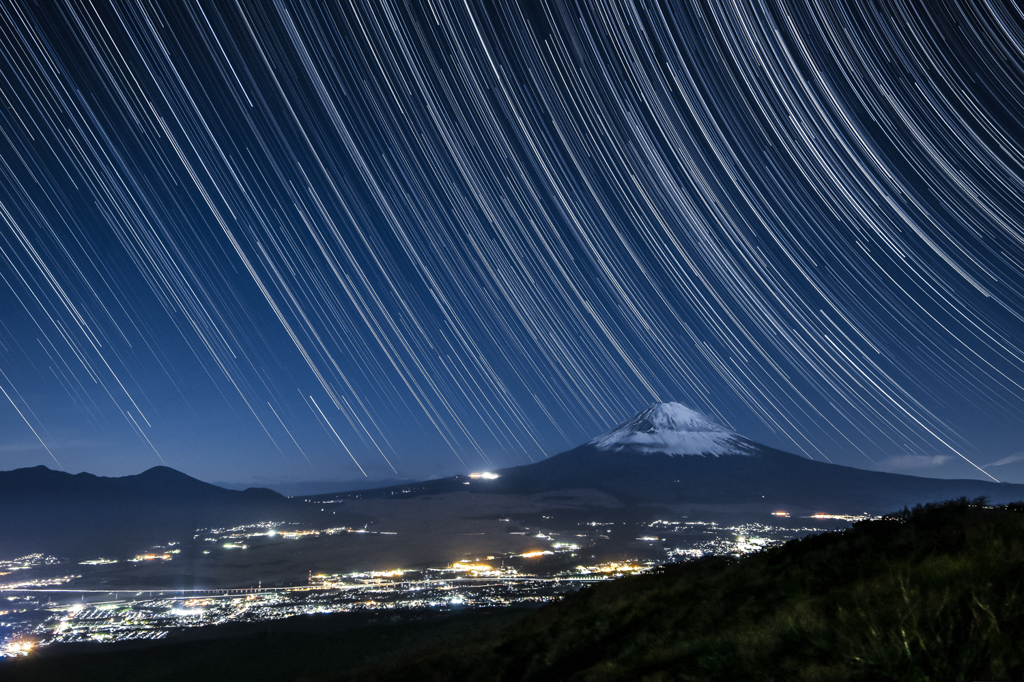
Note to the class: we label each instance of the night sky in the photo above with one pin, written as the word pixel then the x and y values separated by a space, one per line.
pixel 297 241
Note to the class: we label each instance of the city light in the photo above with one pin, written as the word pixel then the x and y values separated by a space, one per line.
pixel 151 557
pixel 843 517
pixel 40 609
pixel 17 647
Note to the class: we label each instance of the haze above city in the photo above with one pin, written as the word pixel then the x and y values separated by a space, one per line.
pixel 317 245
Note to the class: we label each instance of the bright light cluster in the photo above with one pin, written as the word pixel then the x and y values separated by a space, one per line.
pixel 17 647
pixel 151 557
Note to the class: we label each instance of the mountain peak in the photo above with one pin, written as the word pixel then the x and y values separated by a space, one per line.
pixel 673 429
pixel 160 471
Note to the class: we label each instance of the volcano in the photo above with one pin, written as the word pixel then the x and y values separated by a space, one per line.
pixel 669 454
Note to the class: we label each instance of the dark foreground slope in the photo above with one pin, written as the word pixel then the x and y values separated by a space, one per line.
pixel 300 648
pixel 84 515
pixel 762 477
pixel 933 595
pixel 937 594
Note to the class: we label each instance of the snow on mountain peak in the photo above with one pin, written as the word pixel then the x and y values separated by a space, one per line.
pixel 673 429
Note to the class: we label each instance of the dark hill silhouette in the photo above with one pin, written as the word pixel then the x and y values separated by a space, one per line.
pixel 932 594
pixel 83 515
pixel 159 482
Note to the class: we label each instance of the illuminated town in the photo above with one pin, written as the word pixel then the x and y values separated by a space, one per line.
pixel 45 600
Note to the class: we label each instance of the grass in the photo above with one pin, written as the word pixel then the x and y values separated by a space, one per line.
pixel 934 593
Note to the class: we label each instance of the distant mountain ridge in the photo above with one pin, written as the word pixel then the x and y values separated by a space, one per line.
pixel 669 454
pixel 160 481
pixel 664 455
pixel 85 515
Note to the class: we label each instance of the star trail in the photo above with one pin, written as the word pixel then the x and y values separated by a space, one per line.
pixel 336 239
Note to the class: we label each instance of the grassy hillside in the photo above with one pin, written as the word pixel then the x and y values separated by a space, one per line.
pixel 272 651
pixel 936 593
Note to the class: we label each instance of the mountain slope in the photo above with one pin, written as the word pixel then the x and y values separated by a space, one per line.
pixel 930 595
pixel 86 515
pixel 935 594
pixel 669 454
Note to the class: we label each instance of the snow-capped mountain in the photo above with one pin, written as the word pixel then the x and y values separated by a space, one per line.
pixel 672 429
pixel 670 454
